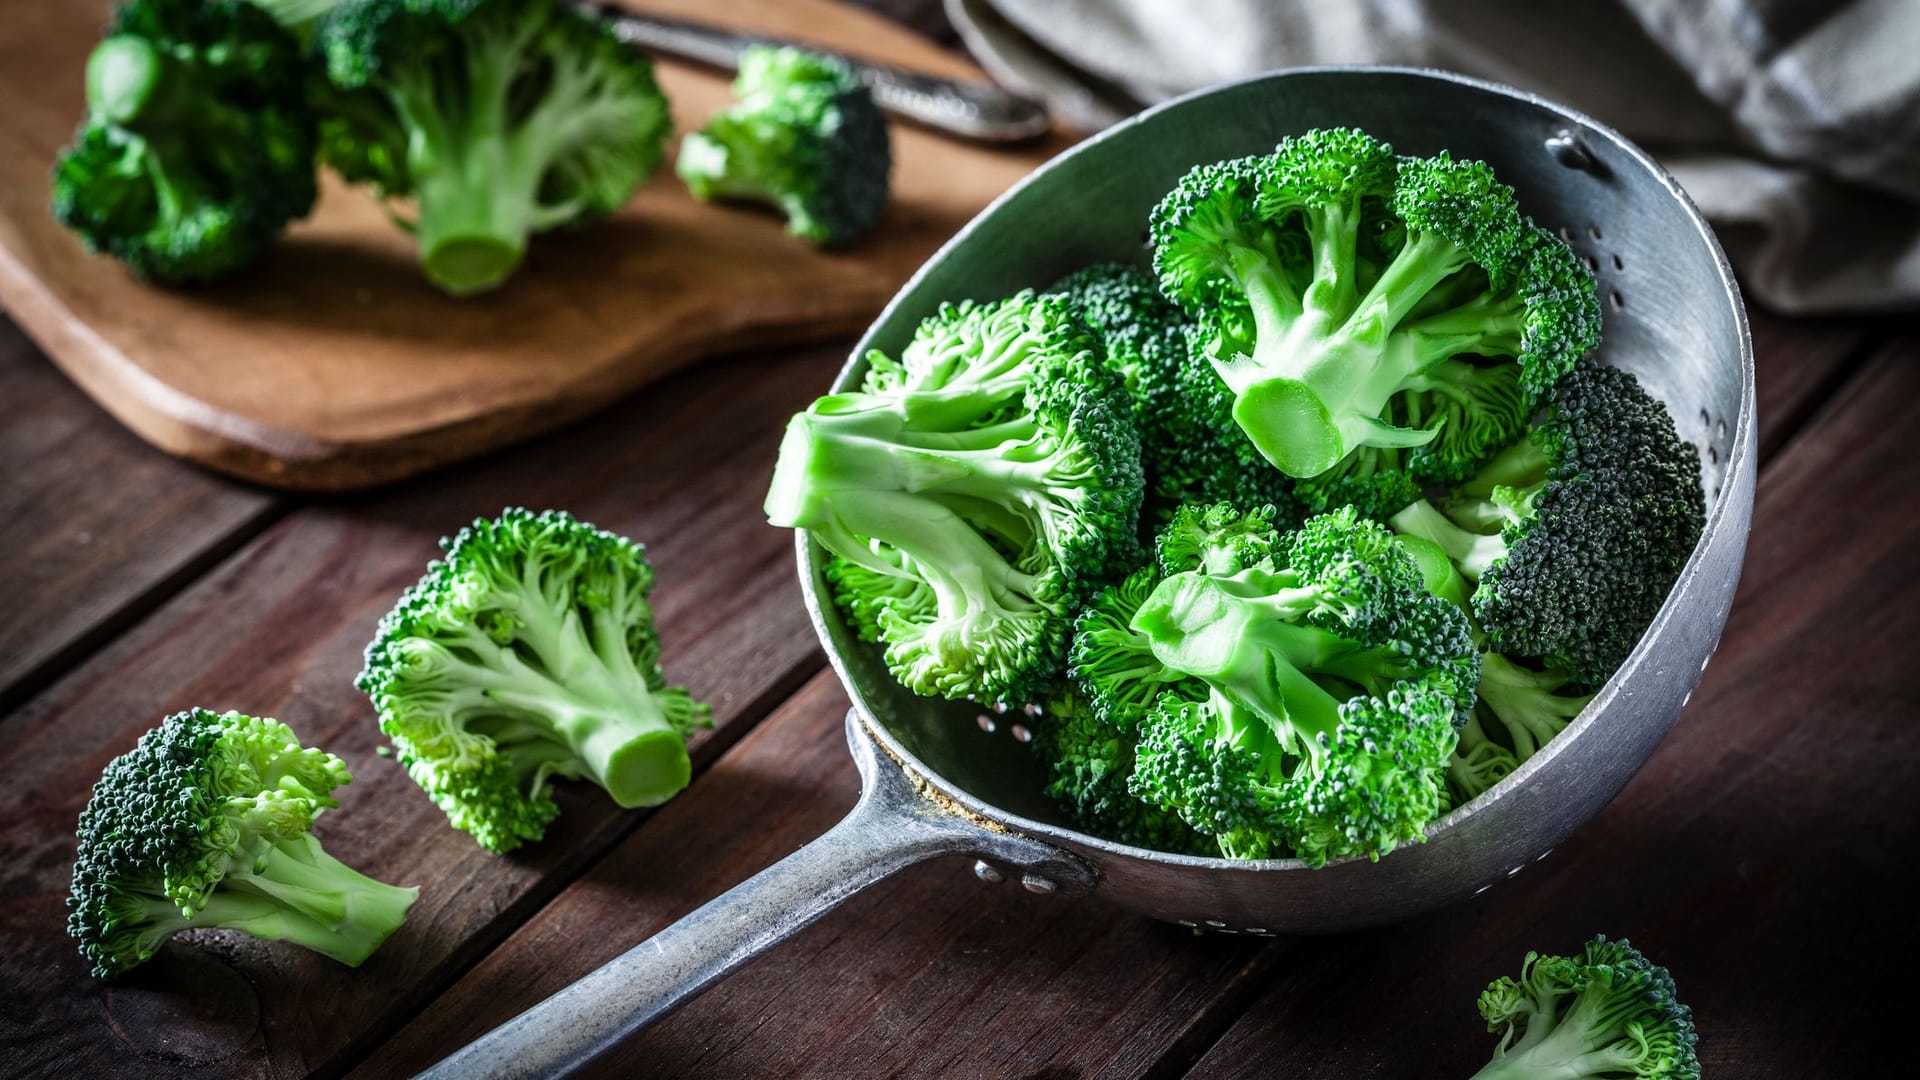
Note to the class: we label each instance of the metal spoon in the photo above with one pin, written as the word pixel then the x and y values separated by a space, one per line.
pixel 979 111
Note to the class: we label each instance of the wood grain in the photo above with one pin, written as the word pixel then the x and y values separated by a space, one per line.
pixel 335 365
pixel 278 630
pixel 931 973
pixel 1764 853
pixel 96 527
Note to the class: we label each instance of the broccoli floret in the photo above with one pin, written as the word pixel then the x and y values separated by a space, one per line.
pixel 1218 540
pixel 995 468
pixel 198 143
pixel 1192 450
pixel 526 653
pixel 207 824
pixel 497 118
pixel 1335 685
pixel 1606 1013
pixel 1088 764
pixel 805 137
pixel 1354 299
pixel 1576 535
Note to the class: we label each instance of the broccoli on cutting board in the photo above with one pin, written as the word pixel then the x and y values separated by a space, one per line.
pixel 805 137
pixel 496 118
pixel 198 143
pixel 207 823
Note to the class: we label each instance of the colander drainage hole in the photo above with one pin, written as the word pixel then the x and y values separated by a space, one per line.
pixel 986 723
pixel 1619 263
pixel 1617 300
pixel 1594 231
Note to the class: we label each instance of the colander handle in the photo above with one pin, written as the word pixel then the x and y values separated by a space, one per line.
pixel 889 829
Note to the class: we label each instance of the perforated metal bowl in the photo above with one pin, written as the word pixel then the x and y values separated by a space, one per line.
pixel 942 778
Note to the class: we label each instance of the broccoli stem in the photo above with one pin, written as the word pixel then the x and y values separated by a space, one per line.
pixel 1472 552
pixel 1588 1040
pixel 1527 703
pixel 294 891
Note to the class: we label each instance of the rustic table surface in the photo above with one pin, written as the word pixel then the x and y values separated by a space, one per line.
pixel 1766 853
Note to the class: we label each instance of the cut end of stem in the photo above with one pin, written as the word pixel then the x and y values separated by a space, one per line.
pixel 123 77
pixel 464 265
pixel 649 770
pixel 1289 424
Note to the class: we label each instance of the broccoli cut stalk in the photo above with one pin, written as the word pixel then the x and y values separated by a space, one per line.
pixel 995 469
pixel 206 824
pixel 499 118
pixel 529 654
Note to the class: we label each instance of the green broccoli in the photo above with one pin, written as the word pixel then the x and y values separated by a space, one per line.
pixel 298 16
pixel 198 144
pixel 1335 684
pixel 1607 1013
pixel 1352 300
pixel 1525 706
pixel 528 653
pixel 207 823
pixel 1576 535
pixel 1190 447
pixel 497 118
pixel 805 137
pixel 1088 764
pixel 995 468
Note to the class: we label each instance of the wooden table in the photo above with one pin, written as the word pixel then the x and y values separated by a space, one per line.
pixel 1766 853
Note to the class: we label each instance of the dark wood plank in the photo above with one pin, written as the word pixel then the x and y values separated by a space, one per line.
pixel 1799 364
pixel 278 630
pixel 1764 853
pixel 924 974
pixel 97 528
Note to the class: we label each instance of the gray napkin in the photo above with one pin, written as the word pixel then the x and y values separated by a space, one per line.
pixel 1795 124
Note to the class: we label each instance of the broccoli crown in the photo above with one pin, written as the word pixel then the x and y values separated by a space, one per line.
pixel 1190 447
pixel 499 118
pixel 1088 764
pixel 1335 683
pixel 206 823
pixel 1576 535
pixel 805 136
pixel 1217 539
pixel 198 143
pixel 1607 1012
pixel 995 469
pixel 1353 299
pixel 528 652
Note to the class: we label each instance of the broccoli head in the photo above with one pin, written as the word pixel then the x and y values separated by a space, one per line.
pixel 1335 682
pixel 994 469
pixel 207 823
pixel 528 653
pixel 805 137
pixel 1606 1013
pixel 497 118
pixel 1088 764
pixel 198 144
pixel 1576 535
pixel 1191 448
pixel 1353 299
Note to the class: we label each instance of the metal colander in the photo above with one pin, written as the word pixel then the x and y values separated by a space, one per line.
pixel 943 779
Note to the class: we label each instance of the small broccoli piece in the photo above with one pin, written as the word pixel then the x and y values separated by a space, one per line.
pixel 805 137
pixel 207 823
pixel 1113 663
pixel 1576 535
pixel 528 652
pixel 1478 762
pixel 995 469
pixel 1335 685
pixel 298 16
pixel 1607 1013
pixel 1088 764
pixel 198 144
pixel 1353 299
pixel 497 118
pixel 1190 447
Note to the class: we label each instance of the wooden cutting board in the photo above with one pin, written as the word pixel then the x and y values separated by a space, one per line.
pixel 336 366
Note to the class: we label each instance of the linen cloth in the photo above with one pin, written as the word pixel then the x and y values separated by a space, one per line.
pixel 1795 124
